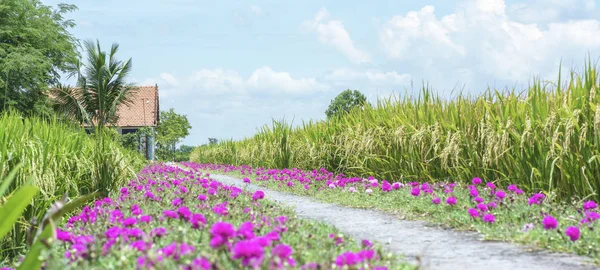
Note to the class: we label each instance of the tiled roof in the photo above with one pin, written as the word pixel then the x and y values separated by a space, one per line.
pixel 143 111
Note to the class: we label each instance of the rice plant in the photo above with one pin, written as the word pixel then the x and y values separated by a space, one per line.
pixel 60 159
pixel 544 139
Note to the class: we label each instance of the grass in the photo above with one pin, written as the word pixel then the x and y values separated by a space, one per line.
pixel 160 221
pixel 545 138
pixel 60 159
pixel 515 219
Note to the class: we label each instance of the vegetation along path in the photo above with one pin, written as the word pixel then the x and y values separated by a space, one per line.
pixel 436 248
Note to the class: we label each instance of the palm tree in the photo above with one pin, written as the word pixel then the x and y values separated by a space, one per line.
pixel 100 89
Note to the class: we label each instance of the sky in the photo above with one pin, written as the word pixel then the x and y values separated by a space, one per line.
pixel 233 66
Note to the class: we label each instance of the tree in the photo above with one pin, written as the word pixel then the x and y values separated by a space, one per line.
pixel 171 129
pixel 212 141
pixel 101 88
pixel 344 102
pixel 35 47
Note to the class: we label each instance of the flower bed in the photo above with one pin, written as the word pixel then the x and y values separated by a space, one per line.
pixel 169 218
pixel 501 213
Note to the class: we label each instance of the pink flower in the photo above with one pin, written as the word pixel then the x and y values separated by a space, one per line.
pixel 490 185
pixel 489 218
pixel 550 223
pixel 170 214
pixel 146 219
pixel 500 194
pixel 473 212
pixel 415 191
pixel 196 220
pixel 246 230
pixel 512 188
pixel 130 221
pixel 369 191
pixel 589 205
pixel 247 180
pixel 478 200
pixel 476 181
pixel 220 233
pixel 436 200
pixel 573 233
pixel 202 197
pixel 474 192
pixel 451 200
pixel 482 207
pixel 259 194
pixel 536 198
pixel 176 201
pixel 249 251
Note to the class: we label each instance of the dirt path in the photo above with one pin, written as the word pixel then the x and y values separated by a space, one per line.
pixel 438 248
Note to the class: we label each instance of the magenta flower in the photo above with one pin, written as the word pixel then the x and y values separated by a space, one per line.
pixel 415 191
pixel 249 251
pixel 170 214
pixel 196 220
pixel 573 233
pixel 386 187
pixel 247 180
pixel 550 223
pixel 476 181
pixel 451 200
pixel 202 197
pixel 512 187
pixel 130 221
pixel 436 200
pixel 176 201
pixel 347 258
pixel 474 192
pixel 259 194
pixel 500 194
pixel 246 230
pixel 473 212
pixel 220 233
pixel 489 218
pixel 366 243
pixel 536 198
pixel 589 205
pixel 200 264
pixel 490 185
pixel 478 200
pixel 482 207
pixel 146 219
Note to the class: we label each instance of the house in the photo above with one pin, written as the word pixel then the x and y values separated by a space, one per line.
pixel 143 112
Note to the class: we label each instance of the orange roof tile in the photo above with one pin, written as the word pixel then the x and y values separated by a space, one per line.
pixel 144 110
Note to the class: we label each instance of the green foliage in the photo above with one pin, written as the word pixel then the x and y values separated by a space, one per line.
pixel 547 138
pixel 183 153
pixel 35 47
pixel 101 88
pixel 344 102
pixel 16 204
pixel 171 130
pixel 212 141
pixel 132 141
pixel 60 158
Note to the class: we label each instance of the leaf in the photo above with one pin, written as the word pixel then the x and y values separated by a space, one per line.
pixel 32 259
pixel 12 210
pixel 8 179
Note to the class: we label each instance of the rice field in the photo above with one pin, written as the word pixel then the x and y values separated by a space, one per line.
pixel 546 138
pixel 61 160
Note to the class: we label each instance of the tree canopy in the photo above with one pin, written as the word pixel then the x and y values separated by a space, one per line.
pixel 171 130
pixel 344 102
pixel 35 47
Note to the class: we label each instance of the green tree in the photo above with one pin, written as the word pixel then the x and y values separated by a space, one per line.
pixel 171 129
pixel 35 47
pixel 101 88
pixel 344 102
pixel 212 141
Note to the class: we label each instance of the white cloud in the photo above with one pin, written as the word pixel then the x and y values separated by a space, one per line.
pixel 544 11
pixel 372 77
pixel 333 33
pixel 282 82
pixel 170 79
pixel 256 9
pixel 482 36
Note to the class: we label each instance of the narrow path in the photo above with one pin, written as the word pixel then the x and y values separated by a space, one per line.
pixel 436 247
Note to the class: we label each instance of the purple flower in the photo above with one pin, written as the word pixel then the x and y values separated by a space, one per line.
pixel 170 214
pixel 536 198
pixel 476 181
pixel 176 201
pixel 130 221
pixel 366 243
pixel 482 207
pixel 246 180
pixel 436 200
pixel 347 258
pixel 415 191
pixel 512 187
pixel 220 233
pixel 573 233
pixel 451 200
pixel 490 185
pixel 500 194
pixel 259 194
pixel 473 212
pixel 489 218
pixel 550 223
pixel 528 227
pixel 478 200
pixel 196 220
pixel 474 192
pixel 158 232
pixel 146 219
pixel 200 264
pixel 249 251
pixel 589 205
pixel 246 230
pixel 202 197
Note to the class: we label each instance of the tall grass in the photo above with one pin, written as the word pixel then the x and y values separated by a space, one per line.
pixel 60 159
pixel 545 138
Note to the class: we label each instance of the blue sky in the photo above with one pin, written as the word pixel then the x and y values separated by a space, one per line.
pixel 232 66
